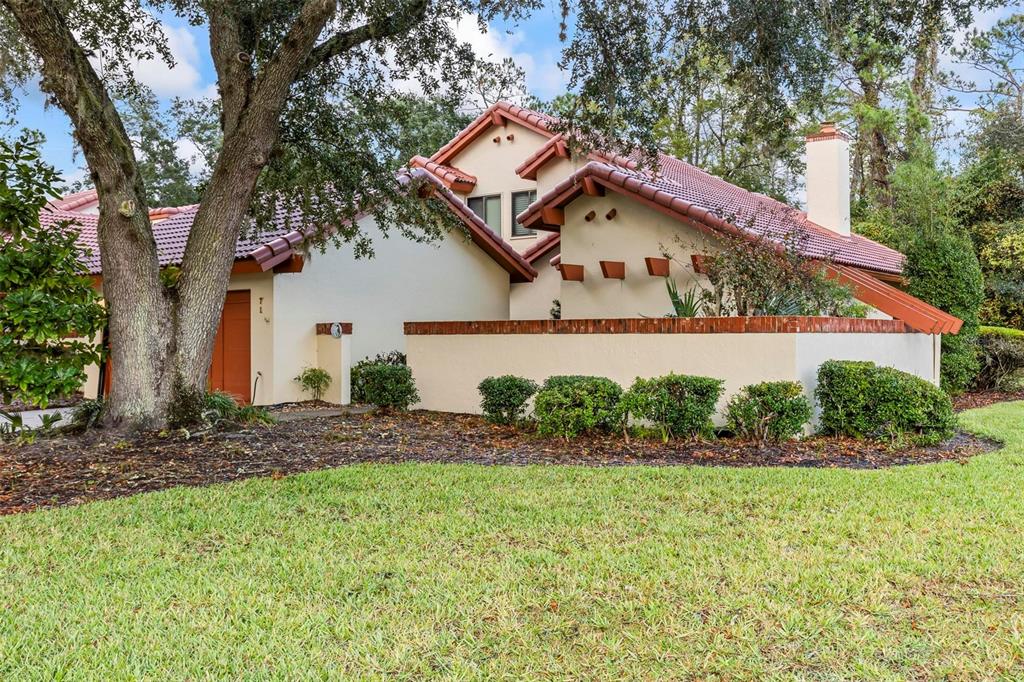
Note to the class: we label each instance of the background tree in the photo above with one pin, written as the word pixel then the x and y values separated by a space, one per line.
pixel 49 311
pixel 303 88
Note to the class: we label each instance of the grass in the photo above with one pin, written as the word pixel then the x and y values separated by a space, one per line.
pixel 467 572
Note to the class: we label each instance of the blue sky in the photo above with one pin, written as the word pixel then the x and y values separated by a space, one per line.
pixel 533 44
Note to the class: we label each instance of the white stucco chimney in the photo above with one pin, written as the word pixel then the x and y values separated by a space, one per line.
pixel 828 178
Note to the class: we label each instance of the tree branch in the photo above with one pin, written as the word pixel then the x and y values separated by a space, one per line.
pixel 396 23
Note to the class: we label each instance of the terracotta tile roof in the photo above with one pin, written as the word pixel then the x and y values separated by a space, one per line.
pixel 898 304
pixel 542 246
pixel 710 203
pixel 496 114
pixel 276 244
pixel 556 146
pixel 79 201
pixel 453 178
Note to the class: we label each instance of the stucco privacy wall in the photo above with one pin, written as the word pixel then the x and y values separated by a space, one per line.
pixel 451 279
pixel 448 367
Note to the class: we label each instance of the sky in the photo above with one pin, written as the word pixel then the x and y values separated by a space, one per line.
pixel 533 45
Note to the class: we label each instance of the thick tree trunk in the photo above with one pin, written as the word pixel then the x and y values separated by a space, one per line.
pixel 161 337
pixel 877 145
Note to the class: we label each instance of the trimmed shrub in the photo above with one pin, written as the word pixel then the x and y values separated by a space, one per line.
pixel 677 404
pixel 504 398
pixel 314 381
pixel 1001 352
pixel 396 358
pixel 771 411
pixel 389 387
pixel 569 406
pixel 862 400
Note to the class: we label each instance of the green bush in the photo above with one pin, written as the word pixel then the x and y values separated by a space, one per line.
pixel 504 398
pixel 676 404
pixel 389 386
pixel 569 406
pixel 861 400
pixel 208 408
pixel 396 358
pixel 314 381
pixel 943 270
pixel 87 414
pixel 772 411
pixel 1001 352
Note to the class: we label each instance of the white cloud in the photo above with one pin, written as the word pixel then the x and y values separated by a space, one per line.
pixel 184 78
pixel 543 77
pixel 187 151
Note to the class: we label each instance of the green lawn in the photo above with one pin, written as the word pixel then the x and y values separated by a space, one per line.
pixel 420 571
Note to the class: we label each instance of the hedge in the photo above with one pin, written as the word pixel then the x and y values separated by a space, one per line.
pixel 862 400
pixel 504 398
pixel 569 406
pixel 677 404
pixel 771 411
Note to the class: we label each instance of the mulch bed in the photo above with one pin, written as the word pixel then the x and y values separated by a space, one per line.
pixel 67 470
pixel 969 401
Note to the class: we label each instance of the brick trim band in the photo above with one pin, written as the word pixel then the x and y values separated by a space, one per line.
pixel 324 328
pixel 694 325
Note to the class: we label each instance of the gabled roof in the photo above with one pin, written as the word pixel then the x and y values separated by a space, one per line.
pixel 276 243
pixel 495 115
pixel 452 177
pixel 519 269
pixel 711 204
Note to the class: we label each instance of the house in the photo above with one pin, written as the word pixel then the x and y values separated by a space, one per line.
pixel 282 302
pixel 543 225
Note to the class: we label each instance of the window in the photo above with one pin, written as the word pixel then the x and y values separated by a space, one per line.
pixel 489 210
pixel 520 202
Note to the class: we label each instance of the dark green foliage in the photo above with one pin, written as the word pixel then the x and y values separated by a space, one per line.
pixel 942 269
pixel 356 376
pixel 772 411
pixel 750 277
pixel 504 398
pixel 678 405
pixel 314 381
pixel 389 387
pixel 862 400
pixel 569 406
pixel 49 310
pixel 213 408
pixel 87 414
pixel 1001 356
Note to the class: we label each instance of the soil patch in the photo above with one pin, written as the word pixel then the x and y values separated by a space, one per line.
pixel 969 401
pixel 98 465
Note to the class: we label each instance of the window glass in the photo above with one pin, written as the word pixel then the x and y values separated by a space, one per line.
pixel 520 202
pixel 489 210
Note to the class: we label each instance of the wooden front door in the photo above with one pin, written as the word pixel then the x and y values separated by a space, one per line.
pixel 230 368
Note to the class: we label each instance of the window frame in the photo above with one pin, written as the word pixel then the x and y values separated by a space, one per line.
pixel 518 231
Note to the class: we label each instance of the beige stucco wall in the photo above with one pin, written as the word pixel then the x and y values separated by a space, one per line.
pixel 334 355
pixel 533 300
pixel 448 368
pixel 494 166
pixel 405 281
pixel 636 232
